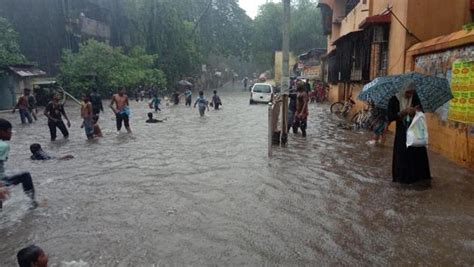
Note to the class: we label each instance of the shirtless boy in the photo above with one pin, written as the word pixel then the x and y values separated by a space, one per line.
pixel 121 109
pixel 86 114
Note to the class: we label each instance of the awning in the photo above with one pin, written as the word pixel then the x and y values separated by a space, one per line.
pixel 347 36
pixel 328 55
pixel 312 52
pixel 46 82
pixel 377 19
pixel 26 71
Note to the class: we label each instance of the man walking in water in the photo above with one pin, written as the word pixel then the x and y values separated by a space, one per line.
pixel 202 103
pixel 188 95
pixel 87 114
pixel 22 105
pixel 121 109
pixel 96 101
pixel 54 112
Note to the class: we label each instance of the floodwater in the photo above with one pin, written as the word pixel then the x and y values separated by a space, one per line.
pixel 195 191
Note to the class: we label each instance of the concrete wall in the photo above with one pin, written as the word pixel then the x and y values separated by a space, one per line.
pixel 338 13
pixel 435 57
pixel 336 92
pixel 352 21
pixel 431 18
pixel 7 96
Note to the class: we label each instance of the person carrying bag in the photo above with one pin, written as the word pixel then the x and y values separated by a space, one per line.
pixel 417 133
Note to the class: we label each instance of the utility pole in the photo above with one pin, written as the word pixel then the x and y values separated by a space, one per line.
pixel 285 79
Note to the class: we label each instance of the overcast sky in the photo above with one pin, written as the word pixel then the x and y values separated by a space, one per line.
pixel 251 6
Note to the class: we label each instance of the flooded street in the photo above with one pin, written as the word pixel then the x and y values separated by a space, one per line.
pixel 195 191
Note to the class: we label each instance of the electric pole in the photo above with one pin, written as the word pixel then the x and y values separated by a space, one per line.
pixel 285 79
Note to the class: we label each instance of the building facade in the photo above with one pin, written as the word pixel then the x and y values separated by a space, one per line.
pixel 371 38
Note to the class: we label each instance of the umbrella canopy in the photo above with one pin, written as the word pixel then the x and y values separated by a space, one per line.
pixel 185 83
pixel 432 91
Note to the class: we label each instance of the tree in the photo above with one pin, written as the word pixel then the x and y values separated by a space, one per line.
pixel 267 34
pixel 99 65
pixel 9 48
pixel 305 31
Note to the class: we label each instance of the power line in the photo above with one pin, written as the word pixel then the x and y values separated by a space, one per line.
pixel 403 25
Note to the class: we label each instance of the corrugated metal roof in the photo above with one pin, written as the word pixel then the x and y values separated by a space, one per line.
pixel 348 35
pixel 27 71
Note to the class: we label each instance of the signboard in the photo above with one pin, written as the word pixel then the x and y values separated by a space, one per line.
pixel 461 107
pixel 314 72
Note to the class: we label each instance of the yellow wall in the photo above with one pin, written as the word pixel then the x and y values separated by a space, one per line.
pixel 431 18
pixel 338 12
pixel 335 92
pixel 450 139
pixel 352 21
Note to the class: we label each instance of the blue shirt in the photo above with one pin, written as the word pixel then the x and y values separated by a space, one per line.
pixel 4 151
pixel 201 102
pixel 188 93
pixel 156 101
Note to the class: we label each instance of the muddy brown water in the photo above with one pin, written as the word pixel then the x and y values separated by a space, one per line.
pixel 194 191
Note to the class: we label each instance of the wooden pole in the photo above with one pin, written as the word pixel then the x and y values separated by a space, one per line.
pixel 284 120
pixel 285 81
pixel 270 129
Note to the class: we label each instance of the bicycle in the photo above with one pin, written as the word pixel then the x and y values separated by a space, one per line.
pixel 342 109
pixel 365 118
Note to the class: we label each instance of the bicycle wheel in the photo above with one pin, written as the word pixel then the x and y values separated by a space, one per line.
pixel 337 108
pixel 356 119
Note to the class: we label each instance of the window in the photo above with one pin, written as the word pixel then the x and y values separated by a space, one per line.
pixel 262 88
pixel 383 63
pixel 380 39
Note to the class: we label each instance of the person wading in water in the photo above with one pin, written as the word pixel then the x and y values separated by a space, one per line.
pixel 121 109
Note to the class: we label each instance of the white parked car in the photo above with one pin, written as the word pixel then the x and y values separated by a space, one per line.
pixel 261 93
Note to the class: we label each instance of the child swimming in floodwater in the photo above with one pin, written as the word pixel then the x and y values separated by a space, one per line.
pixel 39 154
pixel 151 120
pixel 32 256
pixel 202 103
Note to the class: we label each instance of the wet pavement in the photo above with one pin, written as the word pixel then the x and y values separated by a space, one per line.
pixel 194 191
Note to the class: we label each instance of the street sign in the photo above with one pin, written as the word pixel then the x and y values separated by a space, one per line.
pixel 285 84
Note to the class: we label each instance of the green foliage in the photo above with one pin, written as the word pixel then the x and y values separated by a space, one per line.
pixel 267 37
pixel 186 33
pixel 100 65
pixel 305 30
pixel 9 48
